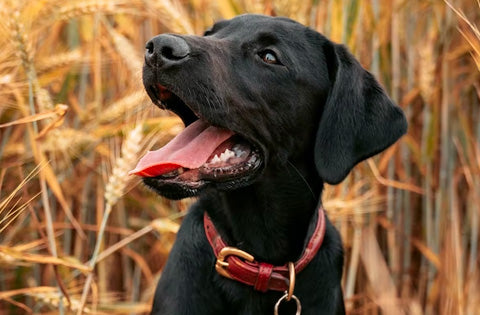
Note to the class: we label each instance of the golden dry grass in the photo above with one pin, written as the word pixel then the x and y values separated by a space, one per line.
pixel 78 235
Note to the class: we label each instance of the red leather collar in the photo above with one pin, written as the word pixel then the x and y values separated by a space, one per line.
pixel 238 265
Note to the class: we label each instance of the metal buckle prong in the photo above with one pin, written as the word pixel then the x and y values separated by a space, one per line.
pixel 221 264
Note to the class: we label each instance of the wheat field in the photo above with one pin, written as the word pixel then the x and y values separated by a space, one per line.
pixel 80 236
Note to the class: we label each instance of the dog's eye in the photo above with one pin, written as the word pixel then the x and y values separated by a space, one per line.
pixel 269 56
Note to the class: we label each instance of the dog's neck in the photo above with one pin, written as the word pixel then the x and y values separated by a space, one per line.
pixel 270 218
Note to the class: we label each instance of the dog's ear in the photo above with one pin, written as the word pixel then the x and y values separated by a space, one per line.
pixel 359 120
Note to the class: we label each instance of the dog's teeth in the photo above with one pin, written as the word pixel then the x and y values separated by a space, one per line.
pixel 180 170
pixel 226 155
pixel 238 152
pixel 215 159
pixel 223 157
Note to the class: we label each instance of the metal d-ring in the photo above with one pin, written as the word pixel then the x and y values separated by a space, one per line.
pixel 291 284
pixel 284 297
pixel 288 296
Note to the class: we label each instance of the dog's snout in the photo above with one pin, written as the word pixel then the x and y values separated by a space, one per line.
pixel 166 50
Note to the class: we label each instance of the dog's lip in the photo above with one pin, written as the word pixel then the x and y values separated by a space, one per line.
pixel 161 93
pixel 170 98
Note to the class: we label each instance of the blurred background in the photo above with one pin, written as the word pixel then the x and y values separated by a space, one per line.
pixel 78 235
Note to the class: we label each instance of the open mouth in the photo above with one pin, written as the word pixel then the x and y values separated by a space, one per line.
pixel 201 154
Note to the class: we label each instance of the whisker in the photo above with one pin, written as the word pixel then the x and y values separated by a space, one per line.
pixel 303 179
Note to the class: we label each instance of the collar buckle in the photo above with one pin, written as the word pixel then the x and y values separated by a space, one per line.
pixel 221 265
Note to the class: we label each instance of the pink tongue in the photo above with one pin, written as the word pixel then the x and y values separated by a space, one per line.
pixel 190 149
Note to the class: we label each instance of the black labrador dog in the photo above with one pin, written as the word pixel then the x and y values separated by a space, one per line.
pixel 272 110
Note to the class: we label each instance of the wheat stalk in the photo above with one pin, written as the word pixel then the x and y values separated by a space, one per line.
pixel 126 50
pixel 72 9
pixel 56 300
pixel 25 53
pixel 60 60
pixel 427 68
pixel 114 189
pixel 117 182
pixel 10 212
pixel 122 106
pixel 43 97
pixel 171 14
pixel 67 140
pixel 23 44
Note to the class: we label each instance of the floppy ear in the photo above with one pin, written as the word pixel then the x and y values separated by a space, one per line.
pixel 359 120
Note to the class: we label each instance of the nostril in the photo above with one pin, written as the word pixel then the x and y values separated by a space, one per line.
pixel 150 53
pixel 173 48
pixel 170 54
pixel 149 47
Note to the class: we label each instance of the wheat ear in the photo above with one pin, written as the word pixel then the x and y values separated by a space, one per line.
pixel 114 189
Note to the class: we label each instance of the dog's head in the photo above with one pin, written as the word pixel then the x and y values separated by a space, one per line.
pixel 256 93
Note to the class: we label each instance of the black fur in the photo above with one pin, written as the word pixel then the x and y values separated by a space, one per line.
pixel 312 117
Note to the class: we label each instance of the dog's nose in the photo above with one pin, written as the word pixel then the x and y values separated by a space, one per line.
pixel 166 50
